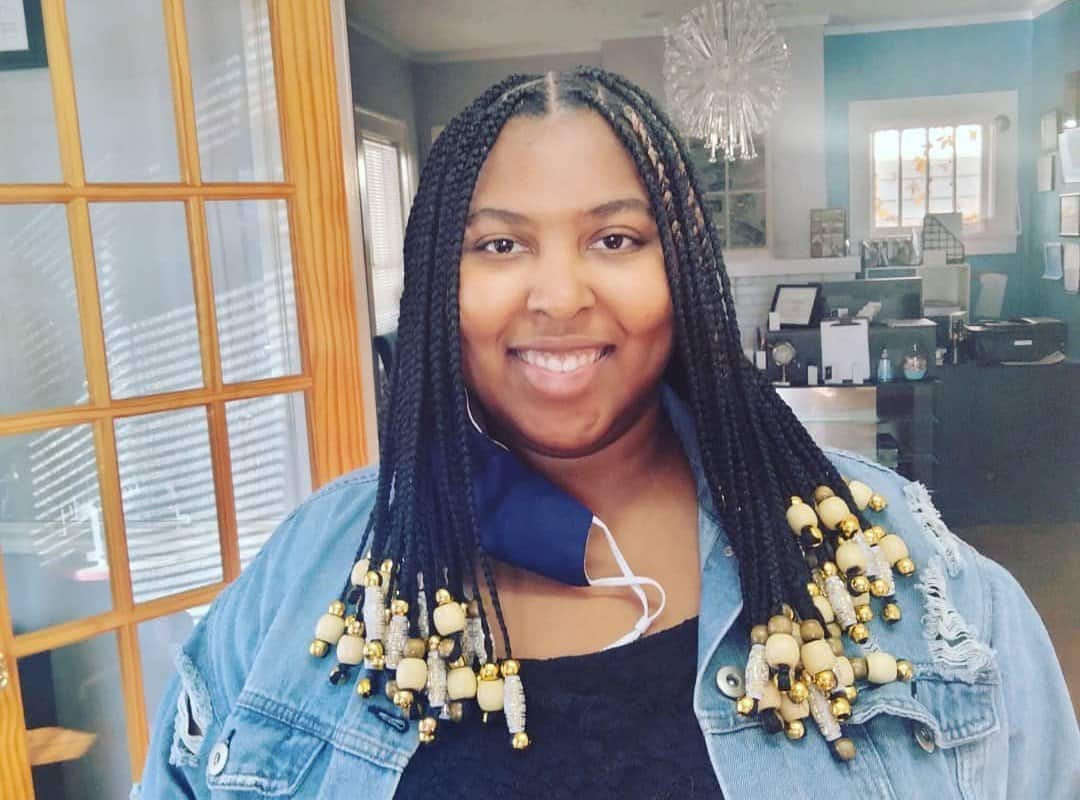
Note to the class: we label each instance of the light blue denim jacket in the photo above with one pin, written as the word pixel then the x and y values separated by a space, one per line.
pixel 250 714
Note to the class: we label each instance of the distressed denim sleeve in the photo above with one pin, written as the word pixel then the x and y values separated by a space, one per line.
pixel 1041 725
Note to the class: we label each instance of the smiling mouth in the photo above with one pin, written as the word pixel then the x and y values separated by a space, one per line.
pixel 563 362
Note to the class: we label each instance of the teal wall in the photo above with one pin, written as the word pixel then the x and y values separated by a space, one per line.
pixel 926 62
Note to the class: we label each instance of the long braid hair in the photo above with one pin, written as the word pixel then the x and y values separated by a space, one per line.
pixel 755 454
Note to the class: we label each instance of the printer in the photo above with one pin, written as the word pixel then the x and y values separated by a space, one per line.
pixel 1026 339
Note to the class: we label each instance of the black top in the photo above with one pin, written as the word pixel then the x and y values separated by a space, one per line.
pixel 614 724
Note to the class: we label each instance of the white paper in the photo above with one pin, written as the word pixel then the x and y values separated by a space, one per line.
pixel 1071 267
pixel 1046 173
pixel 845 349
pixel 13 36
pixel 1052 261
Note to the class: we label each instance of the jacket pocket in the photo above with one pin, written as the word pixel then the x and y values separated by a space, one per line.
pixel 257 755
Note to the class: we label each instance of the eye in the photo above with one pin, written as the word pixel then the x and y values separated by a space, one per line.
pixel 615 242
pixel 502 246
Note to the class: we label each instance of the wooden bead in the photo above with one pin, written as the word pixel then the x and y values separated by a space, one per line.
pixel 461 683
pixel 817 656
pixel 770 698
pixel 791 711
pixel 834 630
pixel 858 668
pixel 893 547
pixel 824 608
pixel 415 648
pixel 350 650
pixel 329 628
pixel 359 570
pixel 800 516
pixel 449 618
pixel 843 749
pixel 822 493
pixel 837 645
pixel 860 493
pixel 779 624
pixel 489 695
pixel 782 650
pixel 880 667
pixel 811 630
pixel 759 634
pixel 412 674
pixel 831 511
pixel 850 558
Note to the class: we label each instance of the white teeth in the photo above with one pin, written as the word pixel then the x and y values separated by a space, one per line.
pixel 561 362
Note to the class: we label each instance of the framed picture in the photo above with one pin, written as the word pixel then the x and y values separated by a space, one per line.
pixel 1048 130
pixel 828 232
pixel 1052 260
pixel 1046 172
pixel 22 36
pixel 797 304
pixel 1070 214
pixel 1071 267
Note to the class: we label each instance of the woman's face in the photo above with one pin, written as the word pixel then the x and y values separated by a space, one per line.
pixel 566 316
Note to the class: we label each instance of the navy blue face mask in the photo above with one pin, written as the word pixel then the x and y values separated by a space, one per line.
pixel 527 521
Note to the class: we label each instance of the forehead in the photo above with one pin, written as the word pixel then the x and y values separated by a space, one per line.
pixel 562 161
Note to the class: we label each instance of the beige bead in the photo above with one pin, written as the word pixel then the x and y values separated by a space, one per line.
pixel 779 624
pixel 412 674
pixel 359 570
pixel 858 667
pixel 770 697
pixel 860 493
pixel 893 547
pixel 824 608
pixel 831 511
pixel 461 683
pixel 849 556
pixel 350 650
pixel 817 656
pixel 489 695
pixel 329 628
pixel 449 618
pixel 799 516
pixel 791 710
pixel 759 634
pixel 811 629
pixel 845 673
pixel 782 650
pixel 880 667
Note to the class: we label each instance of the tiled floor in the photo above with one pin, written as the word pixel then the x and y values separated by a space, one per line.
pixel 1045 558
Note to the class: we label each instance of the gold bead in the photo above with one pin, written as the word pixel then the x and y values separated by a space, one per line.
pixel 428 725
pixel 415 648
pixel 403 699
pixel 745 705
pixel 373 649
pixel 337 608
pixel 844 749
pixel 363 687
pixel 510 667
pixel 399 607
pixel 905 670
pixel 443 596
pixel 825 680
pixel 841 708
pixel 354 628
pixel 433 642
pixel 811 630
pixel 813 589
pixel 849 526
pixel 815 535
pixel 864 613
pixel 798 692
pixel 349 620
pixel 378 663
pixel 870 536
pixel 456 711
pixel 859 667
pixel 391 689
pixel 457 663
pixel 386 567
pixel 877 502
pixel 905 566
pixel 891 613
pixel 822 493
pixel 489 672
pixel 318 648
pixel 796 500
pixel 859 633
pixel 446 647
pixel 426 738
pixel 850 692
pixel 520 740
pixel 372 579
pixel 879 588
pixel 859 584
pixel 878 531
pixel 829 569
pixel 795 730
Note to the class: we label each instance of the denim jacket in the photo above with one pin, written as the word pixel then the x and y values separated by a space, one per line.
pixel 250 714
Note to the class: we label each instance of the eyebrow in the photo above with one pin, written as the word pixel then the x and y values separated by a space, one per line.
pixel 607 209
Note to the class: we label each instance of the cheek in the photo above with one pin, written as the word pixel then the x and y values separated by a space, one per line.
pixel 486 307
pixel 646 309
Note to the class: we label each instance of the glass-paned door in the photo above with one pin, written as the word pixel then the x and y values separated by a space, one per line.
pixel 178 347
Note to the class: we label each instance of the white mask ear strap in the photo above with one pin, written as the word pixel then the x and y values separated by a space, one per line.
pixel 635 582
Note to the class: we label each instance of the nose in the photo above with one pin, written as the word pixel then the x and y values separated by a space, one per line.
pixel 560 286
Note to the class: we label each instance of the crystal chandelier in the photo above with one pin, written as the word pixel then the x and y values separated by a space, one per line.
pixel 724 70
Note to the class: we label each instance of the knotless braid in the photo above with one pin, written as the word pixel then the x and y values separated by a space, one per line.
pixel 755 453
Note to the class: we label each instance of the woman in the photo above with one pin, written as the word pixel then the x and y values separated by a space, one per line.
pixel 578 453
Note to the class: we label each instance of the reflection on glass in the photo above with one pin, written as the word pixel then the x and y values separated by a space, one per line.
pixel 747 220
pixel 29 149
pixel 41 358
pixel 159 641
pixel 270 467
pixel 253 289
pixel 749 173
pixel 232 76
pixel 169 506
pixel 147 299
pixel 74 714
pixel 51 531
pixel 123 90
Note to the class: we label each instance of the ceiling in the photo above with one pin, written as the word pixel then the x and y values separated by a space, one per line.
pixel 444 29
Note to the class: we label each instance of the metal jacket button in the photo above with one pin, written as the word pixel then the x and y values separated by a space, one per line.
pixel 730 681
pixel 218 756
pixel 925 737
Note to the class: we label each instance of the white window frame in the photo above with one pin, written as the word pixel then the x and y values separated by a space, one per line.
pixel 995 111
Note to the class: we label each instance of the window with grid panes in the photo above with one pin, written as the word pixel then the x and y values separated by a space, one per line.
pixel 735 194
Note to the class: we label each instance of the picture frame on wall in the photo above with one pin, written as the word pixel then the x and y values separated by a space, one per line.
pixel 1052 261
pixel 1071 267
pixel 828 232
pixel 1069 209
pixel 22 35
pixel 1046 172
pixel 1049 126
